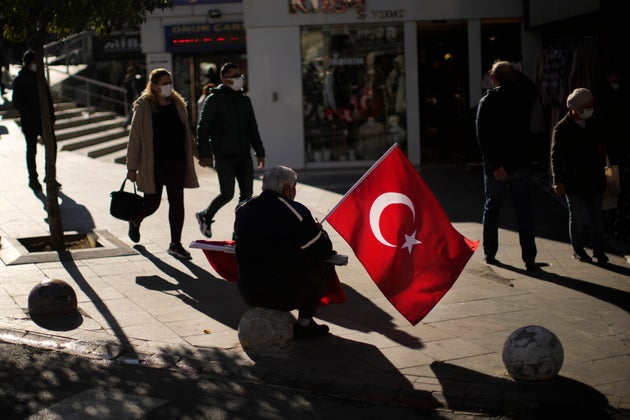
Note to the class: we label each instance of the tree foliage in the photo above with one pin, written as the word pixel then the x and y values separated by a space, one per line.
pixel 35 22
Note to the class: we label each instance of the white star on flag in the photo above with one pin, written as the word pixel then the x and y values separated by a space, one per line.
pixel 410 241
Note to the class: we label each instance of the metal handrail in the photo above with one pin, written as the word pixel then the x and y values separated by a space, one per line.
pixel 90 91
pixel 86 92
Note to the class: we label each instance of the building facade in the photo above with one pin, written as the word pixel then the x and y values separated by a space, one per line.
pixel 335 82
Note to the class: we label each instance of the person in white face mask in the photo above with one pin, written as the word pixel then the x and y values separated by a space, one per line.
pixel 577 166
pixel 226 133
pixel 160 154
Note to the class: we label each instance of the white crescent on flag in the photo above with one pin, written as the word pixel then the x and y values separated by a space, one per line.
pixel 379 205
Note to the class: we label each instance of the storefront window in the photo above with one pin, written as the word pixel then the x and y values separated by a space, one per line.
pixel 353 83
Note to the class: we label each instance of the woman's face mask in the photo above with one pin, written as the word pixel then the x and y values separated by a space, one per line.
pixel 166 91
pixel 237 83
pixel 586 113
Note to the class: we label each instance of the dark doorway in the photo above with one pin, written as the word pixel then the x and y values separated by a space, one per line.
pixel 445 117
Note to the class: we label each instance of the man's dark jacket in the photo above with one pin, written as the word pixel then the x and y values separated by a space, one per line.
pixel 576 160
pixel 503 117
pixel 227 126
pixel 275 240
pixel 26 101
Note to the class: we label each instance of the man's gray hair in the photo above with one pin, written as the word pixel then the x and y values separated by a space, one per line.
pixel 276 178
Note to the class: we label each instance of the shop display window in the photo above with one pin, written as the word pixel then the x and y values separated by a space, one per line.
pixel 353 81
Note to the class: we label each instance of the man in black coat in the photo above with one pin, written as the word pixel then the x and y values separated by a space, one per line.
pixel 26 101
pixel 502 125
pixel 280 251
pixel 227 131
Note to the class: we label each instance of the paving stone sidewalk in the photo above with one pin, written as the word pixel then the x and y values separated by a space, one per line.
pixel 140 305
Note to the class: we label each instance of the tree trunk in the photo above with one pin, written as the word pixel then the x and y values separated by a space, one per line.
pixel 52 202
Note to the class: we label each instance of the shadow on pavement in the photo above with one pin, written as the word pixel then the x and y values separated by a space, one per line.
pixel 209 295
pixel 75 273
pixel 552 399
pixel 611 295
pixel 343 367
pixel 361 314
pixel 75 216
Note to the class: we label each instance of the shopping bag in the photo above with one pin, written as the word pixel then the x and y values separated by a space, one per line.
pixel 613 186
pixel 125 205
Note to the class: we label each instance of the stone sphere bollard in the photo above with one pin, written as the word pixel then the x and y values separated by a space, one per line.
pixel 265 330
pixel 52 297
pixel 533 353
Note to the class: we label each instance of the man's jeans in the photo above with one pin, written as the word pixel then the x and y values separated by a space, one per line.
pixel 518 186
pixel 589 205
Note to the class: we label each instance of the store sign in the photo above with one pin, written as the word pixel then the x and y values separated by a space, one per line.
pixel 205 36
pixel 193 2
pixel 326 6
pixel 118 46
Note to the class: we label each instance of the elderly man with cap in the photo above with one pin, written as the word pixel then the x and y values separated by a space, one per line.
pixel 577 165
pixel 502 125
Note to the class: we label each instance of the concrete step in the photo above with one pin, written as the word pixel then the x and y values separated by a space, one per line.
pixel 92 139
pixel 106 148
pixel 73 112
pixel 113 121
pixel 119 157
pixel 83 119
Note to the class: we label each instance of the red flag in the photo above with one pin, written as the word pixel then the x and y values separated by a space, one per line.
pixel 401 235
pixel 220 255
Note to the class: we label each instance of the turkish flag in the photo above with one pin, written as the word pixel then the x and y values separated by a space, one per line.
pixel 401 235
pixel 220 255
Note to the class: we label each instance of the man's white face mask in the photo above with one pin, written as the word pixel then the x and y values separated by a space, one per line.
pixel 237 83
pixel 586 113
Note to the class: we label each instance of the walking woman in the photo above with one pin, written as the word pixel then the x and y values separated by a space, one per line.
pixel 160 154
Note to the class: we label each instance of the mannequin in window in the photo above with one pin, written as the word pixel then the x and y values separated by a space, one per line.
pixel 395 133
pixel 371 142
pixel 395 86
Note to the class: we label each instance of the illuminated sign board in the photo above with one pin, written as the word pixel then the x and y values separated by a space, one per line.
pixel 205 36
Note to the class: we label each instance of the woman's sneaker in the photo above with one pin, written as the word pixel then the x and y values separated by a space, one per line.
pixel 134 232
pixel 177 250
pixel 204 226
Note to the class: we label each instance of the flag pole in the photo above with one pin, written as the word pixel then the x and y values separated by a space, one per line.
pixel 356 184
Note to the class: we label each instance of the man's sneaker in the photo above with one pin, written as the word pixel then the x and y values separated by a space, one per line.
pixel 582 256
pixel 310 330
pixel 601 257
pixel 204 226
pixel 490 260
pixel 134 232
pixel 178 251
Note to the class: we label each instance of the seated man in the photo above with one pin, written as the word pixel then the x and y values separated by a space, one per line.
pixel 280 251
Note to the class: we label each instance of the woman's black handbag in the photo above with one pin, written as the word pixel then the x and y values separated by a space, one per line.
pixel 125 205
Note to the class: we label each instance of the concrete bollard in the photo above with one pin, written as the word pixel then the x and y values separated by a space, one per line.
pixel 533 353
pixel 52 297
pixel 265 330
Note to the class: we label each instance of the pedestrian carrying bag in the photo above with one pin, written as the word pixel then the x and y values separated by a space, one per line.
pixel 613 186
pixel 125 205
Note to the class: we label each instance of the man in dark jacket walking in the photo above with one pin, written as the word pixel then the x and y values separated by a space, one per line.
pixel 227 131
pixel 502 124
pixel 26 101
pixel 577 165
